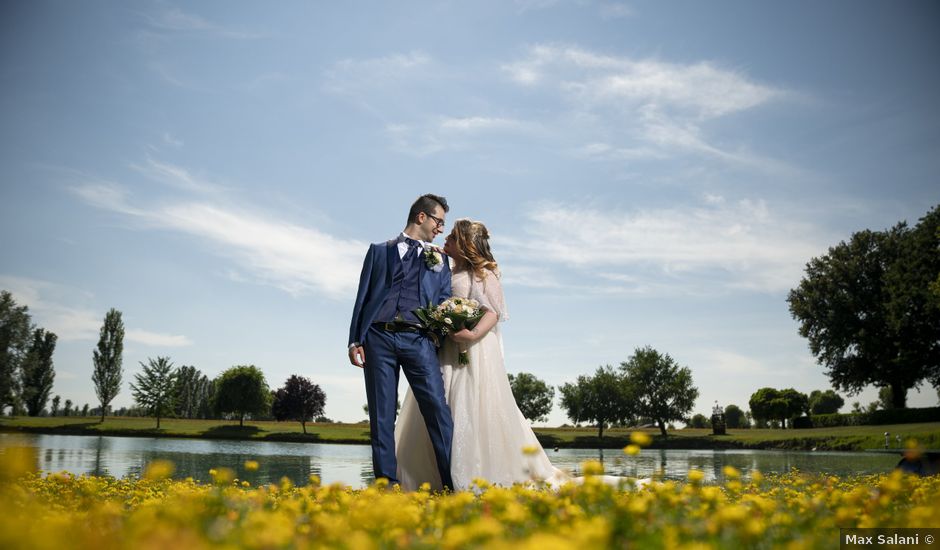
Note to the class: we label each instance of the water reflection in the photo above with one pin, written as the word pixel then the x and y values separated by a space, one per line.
pixel 352 464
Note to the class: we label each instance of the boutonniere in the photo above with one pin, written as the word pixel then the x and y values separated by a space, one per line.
pixel 433 258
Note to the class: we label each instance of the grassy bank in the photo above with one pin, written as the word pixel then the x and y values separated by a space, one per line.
pixel 848 438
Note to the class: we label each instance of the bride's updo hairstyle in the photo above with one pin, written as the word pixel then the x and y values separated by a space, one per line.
pixel 473 244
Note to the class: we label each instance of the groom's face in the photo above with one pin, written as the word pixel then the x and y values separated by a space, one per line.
pixel 433 224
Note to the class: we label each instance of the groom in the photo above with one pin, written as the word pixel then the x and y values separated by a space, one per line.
pixel 397 278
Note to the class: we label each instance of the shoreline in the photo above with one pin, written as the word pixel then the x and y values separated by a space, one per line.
pixel 846 440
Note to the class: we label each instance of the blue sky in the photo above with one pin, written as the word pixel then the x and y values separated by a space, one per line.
pixel 652 173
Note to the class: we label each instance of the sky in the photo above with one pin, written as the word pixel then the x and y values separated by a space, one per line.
pixel 652 173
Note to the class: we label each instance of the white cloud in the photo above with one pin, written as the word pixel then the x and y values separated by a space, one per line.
pixel 156 339
pixel 291 257
pixel 360 76
pixel 477 123
pixel 294 258
pixel 177 21
pixel 615 10
pixel 644 108
pixel 176 176
pixel 437 134
pixel 51 306
pixel 523 6
pixel 172 141
pixel 702 88
pixel 730 245
pixel 106 195
pixel 723 361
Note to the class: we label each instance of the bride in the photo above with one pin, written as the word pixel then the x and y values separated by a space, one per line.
pixel 490 433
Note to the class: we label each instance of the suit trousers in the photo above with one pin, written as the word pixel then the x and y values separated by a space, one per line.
pixel 388 354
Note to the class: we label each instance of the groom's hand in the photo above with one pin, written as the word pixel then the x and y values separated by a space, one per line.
pixel 357 356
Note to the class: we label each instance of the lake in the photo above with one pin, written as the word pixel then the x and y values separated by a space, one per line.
pixel 351 464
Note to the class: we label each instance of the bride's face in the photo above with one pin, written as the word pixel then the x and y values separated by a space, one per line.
pixel 450 246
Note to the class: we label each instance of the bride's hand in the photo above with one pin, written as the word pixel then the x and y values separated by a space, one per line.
pixel 464 336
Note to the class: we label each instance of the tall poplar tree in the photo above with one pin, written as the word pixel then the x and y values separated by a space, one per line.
pixel 38 372
pixel 108 359
pixel 15 327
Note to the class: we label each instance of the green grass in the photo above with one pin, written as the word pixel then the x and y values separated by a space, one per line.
pixel 201 429
pixel 848 438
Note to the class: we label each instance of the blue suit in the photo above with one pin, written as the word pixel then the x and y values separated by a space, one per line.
pixel 389 353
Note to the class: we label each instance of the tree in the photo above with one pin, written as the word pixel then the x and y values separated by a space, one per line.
pixel 601 399
pixel 300 400
pixel 734 417
pixel 242 390
pixel 771 404
pixel 155 387
pixel 658 387
pixel 885 399
pixel 827 402
pixel 38 372
pixel 533 396
pixel 868 312
pixel 55 405
pixel 85 410
pixel 193 391
pixel 67 411
pixel 108 359
pixel 15 327
pixel 698 421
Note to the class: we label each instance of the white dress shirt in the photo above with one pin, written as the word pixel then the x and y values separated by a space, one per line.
pixel 403 245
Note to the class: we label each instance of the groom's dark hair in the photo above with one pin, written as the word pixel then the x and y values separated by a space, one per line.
pixel 426 204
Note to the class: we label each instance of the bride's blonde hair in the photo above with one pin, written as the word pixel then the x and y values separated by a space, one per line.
pixel 472 240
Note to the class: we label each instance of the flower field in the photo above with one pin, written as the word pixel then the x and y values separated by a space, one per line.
pixel 788 511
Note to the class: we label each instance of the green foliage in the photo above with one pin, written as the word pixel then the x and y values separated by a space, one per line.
pixel 242 390
pixel 55 405
pixel 38 372
pixel 904 416
pixel 825 402
pixel 658 387
pixel 155 387
pixel 878 417
pixel 533 396
pixel 868 312
pixel 699 421
pixel 601 399
pixel 769 404
pixel 300 400
pixel 735 417
pixel 836 419
pixel 108 358
pixel 885 398
pixel 15 327
pixel 193 393
pixel 801 422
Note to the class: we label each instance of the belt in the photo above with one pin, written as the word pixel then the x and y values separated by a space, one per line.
pixel 398 326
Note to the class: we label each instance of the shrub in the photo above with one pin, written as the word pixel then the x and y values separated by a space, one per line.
pixel 801 422
pixel 904 416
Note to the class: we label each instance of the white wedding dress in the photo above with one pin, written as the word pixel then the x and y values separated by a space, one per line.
pixel 490 432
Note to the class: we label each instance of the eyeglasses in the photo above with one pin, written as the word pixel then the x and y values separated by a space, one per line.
pixel 438 221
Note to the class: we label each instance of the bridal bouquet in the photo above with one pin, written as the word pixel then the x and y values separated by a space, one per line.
pixel 452 315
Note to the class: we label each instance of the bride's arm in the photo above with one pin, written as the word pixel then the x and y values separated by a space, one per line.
pixel 487 322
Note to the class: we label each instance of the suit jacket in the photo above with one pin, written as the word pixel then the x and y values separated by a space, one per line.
pixel 375 281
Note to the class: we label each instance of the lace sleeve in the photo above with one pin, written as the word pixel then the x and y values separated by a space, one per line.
pixel 489 292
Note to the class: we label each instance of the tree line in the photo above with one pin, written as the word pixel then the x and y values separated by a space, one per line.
pixel 160 390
